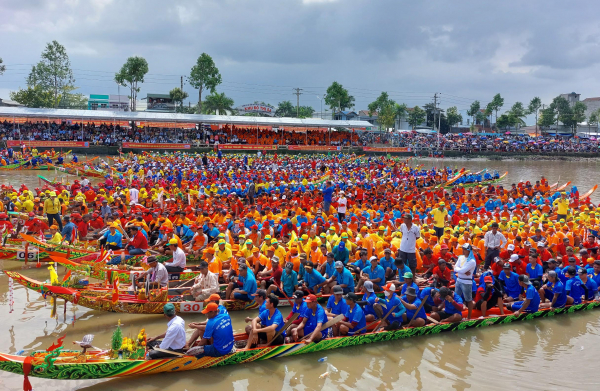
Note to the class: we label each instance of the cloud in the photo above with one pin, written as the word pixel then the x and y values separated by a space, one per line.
pixel 465 50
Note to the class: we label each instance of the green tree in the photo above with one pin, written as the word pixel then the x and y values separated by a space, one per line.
pixel 473 110
pixel 385 109
pixel 53 72
pixel 563 113
pixel 547 117
pixel 578 116
pixel 218 104
pixel 305 111
pixel 285 109
pixel 593 121
pixel 33 96
pixel 516 113
pixel 204 76
pixel 503 122
pixel 401 112
pixel 178 95
pixel 338 97
pixel 74 101
pixel 416 116
pixel 453 116
pixel 496 104
pixel 131 75
pixel 534 108
pixel 2 67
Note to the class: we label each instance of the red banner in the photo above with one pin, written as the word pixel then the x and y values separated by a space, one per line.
pixel 248 146
pixel 156 146
pixel 383 149
pixel 313 148
pixel 178 125
pixel 16 120
pixel 49 144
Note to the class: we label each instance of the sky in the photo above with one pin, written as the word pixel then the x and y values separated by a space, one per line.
pixel 464 50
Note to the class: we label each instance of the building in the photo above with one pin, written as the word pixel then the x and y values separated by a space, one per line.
pixel 9 103
pixel 572 98
pixel 108 102
pixel 160 103
pixel 347 115
pixel 592 104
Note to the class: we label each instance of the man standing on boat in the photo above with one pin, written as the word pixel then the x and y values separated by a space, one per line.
pixel 52 210
pixel 464 270
pixel 408 245
pixel 493 242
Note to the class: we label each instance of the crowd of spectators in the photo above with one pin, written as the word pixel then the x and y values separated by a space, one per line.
pixel 113 135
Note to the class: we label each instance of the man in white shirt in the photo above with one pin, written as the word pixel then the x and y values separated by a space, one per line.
pixel 464 270
pixel 134 195
pixel 84 181
pixel 173 339
pixel 205 284
pixel 342 202
pixel 408 244
pixel 179 260
pixel 493 242
pixel 157 275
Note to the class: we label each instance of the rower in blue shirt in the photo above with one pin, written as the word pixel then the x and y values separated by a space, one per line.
pixel 391 304
pixel 312 319
pixel 271 322
pixel 342 277
pixel 532 298
pixel 313 280
pixel 510 281
pixel 588 284
pixel 554 290
pixel 355 321
pixel 336 305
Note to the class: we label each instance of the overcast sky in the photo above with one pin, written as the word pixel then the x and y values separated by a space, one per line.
pixel 465 50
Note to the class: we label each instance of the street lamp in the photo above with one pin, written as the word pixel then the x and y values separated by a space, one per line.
pixel 321 99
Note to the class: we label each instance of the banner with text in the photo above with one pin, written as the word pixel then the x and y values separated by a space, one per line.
pixel 49 144
pixel 156 146
pixel 178 125
pixel 248 146
pixel 313 148
pixel 383 149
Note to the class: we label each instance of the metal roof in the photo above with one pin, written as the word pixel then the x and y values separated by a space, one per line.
pixel 102 115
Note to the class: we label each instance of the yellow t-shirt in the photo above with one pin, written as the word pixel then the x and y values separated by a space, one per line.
pixel 563 206
pixel 439 217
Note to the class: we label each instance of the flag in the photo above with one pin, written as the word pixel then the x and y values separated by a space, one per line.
pixel 53 275
pixel 115 295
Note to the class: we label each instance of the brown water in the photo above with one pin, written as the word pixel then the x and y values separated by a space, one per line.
pixel 548 354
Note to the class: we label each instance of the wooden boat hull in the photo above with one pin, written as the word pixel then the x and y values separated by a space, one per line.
pixel 69 366
pixel 482 183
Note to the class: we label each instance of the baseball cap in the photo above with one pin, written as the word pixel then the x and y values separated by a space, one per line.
pixel 514 257
pixel 169 309
pixel 488 279
pixel 298 295
pixel 389 287
pixel 211 307
pixel 311 298
pixel 369 286
pixel 510 247
pixel 352 296
pixel 338 264
pixel 261 292
pixel 338 290
pixel 173 241
pixel 408 275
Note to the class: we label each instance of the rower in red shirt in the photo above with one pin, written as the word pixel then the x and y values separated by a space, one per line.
pixel 138 244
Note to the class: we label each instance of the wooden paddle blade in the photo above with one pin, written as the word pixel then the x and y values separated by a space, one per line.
pixel 327 325
pixel 285 327
pixel 170 352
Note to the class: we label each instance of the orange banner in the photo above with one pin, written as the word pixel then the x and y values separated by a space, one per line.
pixel 248 146
pixel 156 146
pixel 178 125
pixel 15 120
pixel 383 149
pixel 52 144
pixel 313 148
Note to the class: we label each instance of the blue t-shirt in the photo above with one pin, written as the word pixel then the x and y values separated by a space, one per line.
pixel 534 299
pixel 449 307
pixel 329 269
pixel 410 313
pixel 374 274
pixel 575 289
pixel 595 277
pixel 277 319
pixel 116 238
pixel 401 272
pixel 345 278
pixel 249 283
pixel 337 308
pixel 390 302
pixel 512 287
pixel 220 330
pixel 426 293
pixel 289 281
pixel 327 193
pixel 384 263
pixel 559 288
pixel 299 309
pixel 313 278
pixel 534 272
pixel 312 319
pixel 405 287
pixel 263 307
pixel 369 297
pixel 592 288
pixel 356 315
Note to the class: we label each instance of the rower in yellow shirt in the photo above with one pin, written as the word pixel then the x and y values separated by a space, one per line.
pixel 56 236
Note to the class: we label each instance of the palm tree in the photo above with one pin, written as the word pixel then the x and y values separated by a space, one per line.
pixel 218 104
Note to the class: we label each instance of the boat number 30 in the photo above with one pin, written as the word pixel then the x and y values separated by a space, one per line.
pixel 191 307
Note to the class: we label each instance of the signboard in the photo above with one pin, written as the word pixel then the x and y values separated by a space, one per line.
pixel 179 125
pixel 156 146
pixel 49 144
pixel 248 146
pixel 19 120
pixel 191 307
pixel 260 109
pixel 313 148
pixel 383 149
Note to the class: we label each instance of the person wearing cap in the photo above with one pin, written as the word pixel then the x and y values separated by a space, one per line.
pixel 561 206
pixel 510 283
pixel 354 321
pixel 199 327
pixel 299 308
pixel 440 215
pixel 205 283
pixel 450 310
pixel 313 318
pixel 531 303
pixel 55 236
pixel 341 253
pixel 328 267
pixel 554 291
pixel 246 281
pixel 52 210
pixel 408 245
pixel 588 284
pixel 391 304
pixel 260 297
pixel 371 307
pixel 157 276
pixel 408 282
pixel 268 323
pixel 111 239
pixel 336 305
pixel 373 273
pixel 217 339
pixel 105 210
pixel 574 286
pixel 69 230
pixel 493 242
pixel 387 263
pixel 411 302
pixel 272 274
pixel 138 244
pixel 313 280
pixel 487 297
pixel 223 253
pixel 341 277
pixel 173 339
pixel 179 258
pixel 464 269
pixel 34 225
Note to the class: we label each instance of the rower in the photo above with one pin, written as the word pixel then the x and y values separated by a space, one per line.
pixel 412 304
pixel 199 327
pixel 246 281
pixel 336 305
pixel 112 239
pixel 260 297
pixel 138 244
pixel 451 308
pixel 271 321
pixel 314 317
pixel 179 260
pixel 157 275
pixel 173 339
pixel 532 298
pixel 217 339
pixel 354 318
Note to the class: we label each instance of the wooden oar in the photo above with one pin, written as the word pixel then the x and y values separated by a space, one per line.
pixel 170 352
pixel 417 311
pixel 327 325
pixel 285 327
pixel 369 325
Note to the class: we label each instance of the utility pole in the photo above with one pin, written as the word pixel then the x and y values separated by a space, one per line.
pixel 298 93
pixel 181 83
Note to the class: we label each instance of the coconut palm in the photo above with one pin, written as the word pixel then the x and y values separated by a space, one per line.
pixel 218 104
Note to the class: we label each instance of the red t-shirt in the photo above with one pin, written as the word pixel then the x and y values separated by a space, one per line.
pixel 446 274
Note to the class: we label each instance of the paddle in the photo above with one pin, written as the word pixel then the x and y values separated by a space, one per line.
pixel 285 327
pixel 417 311
pixel 170 352
pixel 327 325
pixel 369 325
pixel 286 296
